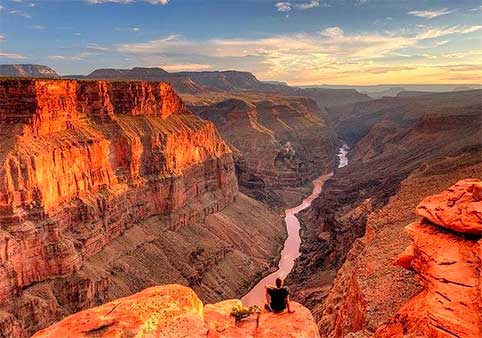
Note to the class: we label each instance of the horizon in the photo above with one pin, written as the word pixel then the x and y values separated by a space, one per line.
pixel 302 43
pixel 268 80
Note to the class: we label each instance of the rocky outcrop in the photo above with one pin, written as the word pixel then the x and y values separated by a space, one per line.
pixel 176 311
pixel 279 144
pixel 27 70
pixel 448 265
pixel 109 187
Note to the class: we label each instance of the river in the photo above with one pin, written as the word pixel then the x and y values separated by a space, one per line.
pixel 291 248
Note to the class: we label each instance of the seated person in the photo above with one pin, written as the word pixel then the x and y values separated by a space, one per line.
pixel 277 298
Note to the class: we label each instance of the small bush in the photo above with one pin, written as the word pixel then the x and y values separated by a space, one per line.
pixel 240 312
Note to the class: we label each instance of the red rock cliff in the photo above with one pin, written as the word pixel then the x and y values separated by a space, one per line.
pixel 80 163
pixel 448 263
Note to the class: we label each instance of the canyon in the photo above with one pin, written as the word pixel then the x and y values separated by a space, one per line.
pixel 403 149
pixel 112 185
pixel 107 188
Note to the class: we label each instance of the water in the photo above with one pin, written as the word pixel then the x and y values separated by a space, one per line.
pixel 342 156
pixel 291 249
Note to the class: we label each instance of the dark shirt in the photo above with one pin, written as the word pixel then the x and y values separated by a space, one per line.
pixel 278 298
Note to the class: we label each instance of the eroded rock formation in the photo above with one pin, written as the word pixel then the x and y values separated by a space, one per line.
pixel 448 265
pixel 176 311
pixel 280 143
pixel 109 187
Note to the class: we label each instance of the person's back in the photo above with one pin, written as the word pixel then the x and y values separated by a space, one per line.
pixel 277 298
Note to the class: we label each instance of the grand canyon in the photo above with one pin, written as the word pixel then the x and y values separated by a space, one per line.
pixel 160 185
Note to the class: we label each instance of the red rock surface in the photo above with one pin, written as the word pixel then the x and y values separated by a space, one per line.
pixel 81 162
pixel 448 266
pixel 459 208
pixel 175 311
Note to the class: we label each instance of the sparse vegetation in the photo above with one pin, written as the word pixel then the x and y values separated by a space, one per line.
pixel 240 312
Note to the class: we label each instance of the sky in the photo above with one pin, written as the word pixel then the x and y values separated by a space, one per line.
pixel 302 42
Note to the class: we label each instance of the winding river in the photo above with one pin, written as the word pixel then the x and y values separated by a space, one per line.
pixel 291 249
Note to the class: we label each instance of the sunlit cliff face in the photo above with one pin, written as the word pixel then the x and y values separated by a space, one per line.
pixel 68 146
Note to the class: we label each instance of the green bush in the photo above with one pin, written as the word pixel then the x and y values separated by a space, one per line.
pixel 240 312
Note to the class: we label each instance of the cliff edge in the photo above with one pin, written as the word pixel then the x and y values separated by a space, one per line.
pixel 446 255
pixel 175 311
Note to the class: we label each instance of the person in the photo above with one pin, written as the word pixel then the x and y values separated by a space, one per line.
pixel 277 298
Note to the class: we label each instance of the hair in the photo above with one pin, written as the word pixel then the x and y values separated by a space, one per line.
pixel 279 282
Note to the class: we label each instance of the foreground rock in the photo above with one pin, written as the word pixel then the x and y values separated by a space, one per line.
pixel 448 265
pixel 173 311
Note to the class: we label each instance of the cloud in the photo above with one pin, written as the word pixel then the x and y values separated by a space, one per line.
pixel 437 32
pixel 286 6
pixel 154 2
pixel 185 67
pixel 308 5
pixel 19 12
pixel 304 57
pixel 79 57
pixel 11 56
pixel 133 29
pixel 283 6
pixel 430 14
pixel 39 27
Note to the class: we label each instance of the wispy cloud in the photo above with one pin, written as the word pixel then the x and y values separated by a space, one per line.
pixel 286 6
pixel 308 5
pixel 185 67
pixel 19 12
pixel 12 56
pixel 430 14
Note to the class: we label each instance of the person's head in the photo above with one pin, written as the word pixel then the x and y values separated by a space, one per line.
pixel 279 282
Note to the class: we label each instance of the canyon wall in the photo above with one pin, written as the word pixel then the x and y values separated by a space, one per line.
pixel 354 230
pixel 175 311
pixel 280 143
pixel 109 187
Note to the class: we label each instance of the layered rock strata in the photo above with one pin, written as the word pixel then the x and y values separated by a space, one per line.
pixel 448 265
pixel 101 184
pixel 176 311
pixel 280 144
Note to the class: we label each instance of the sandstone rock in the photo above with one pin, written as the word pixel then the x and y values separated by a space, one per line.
pixel 169 311
pixel 174 311
pixel 459 208
pixel 448 266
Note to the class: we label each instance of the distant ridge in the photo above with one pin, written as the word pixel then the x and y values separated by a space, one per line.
pixel 205 81
pixel 27 70
pixel 181 83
